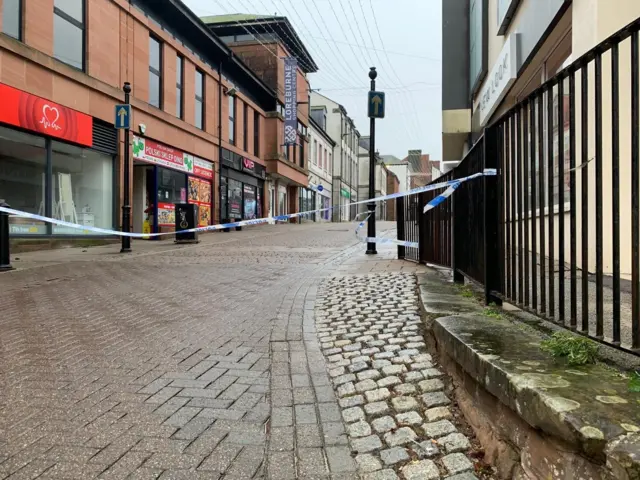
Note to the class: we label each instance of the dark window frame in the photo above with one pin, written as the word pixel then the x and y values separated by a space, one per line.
pixel 232 119
pixel 158 73
pixel 20 36
pixel 474 83
pixel 180 86
pixel 82 26
pixel 256 133
pixel 200 99
pixel 245 126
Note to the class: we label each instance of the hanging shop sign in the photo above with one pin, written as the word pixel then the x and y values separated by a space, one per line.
pixel 345 193
pixel 163 155
pixel 37 114
pixel 290 101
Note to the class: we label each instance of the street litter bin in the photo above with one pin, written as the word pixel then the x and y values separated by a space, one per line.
pixel 186 219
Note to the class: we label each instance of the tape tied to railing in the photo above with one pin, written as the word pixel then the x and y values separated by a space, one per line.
pixel 449 185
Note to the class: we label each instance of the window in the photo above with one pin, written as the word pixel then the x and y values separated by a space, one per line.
pixel 179 89
pixel 245 126
pixel 328 169
pixel 301 158
pixel 155 73
pixel 199 105
pixel 82 187
pixel 325 159
pixel 478 42
pixel 23 161
pixel 316 153
pixel 232 120
pixel 12 18
pixel 171 185
pixel 68 32
pixel 256 133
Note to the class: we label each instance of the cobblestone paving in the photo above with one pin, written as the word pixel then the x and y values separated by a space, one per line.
pixel 194 362
pixel 390 395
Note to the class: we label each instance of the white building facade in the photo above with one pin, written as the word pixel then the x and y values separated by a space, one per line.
pixel 341 128
pixel 400 168
pixel 321 148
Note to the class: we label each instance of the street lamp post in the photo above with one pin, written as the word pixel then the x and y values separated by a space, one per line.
pixel 371 225
pixel 126 203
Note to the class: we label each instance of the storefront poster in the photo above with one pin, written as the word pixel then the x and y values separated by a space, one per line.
pixel 27 111
pixel 249 202
pixel 159 154
pixel 166 214
pixel 235 199
pixel 200 194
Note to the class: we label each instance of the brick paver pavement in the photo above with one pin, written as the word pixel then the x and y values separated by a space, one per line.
pixel 158 364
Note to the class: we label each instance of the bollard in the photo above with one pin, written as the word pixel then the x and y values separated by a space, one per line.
pixel 5 255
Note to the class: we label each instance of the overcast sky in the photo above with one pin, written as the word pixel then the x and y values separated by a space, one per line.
pixel 344 41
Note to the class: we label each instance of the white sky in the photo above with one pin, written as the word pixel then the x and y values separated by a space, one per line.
pixel 343 39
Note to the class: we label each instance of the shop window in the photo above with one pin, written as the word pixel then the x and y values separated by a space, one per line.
pixel 23 160
pixel 232 120
pixel 250 205
pixel 172 186
pixel 68 32
pixel 82 188
pixel 12 18
pixel 234 198
pixel 256 133
pixel 155 72
pixel 179 87
pixel 199 107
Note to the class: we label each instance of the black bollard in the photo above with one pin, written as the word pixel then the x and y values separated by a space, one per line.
pixel 5 254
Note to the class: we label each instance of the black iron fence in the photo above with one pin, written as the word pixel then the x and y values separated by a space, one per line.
pixel 557 231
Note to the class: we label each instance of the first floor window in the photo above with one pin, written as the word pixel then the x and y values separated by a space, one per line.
pixel 68 32
pixel 12 18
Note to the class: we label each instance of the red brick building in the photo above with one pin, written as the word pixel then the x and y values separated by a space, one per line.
pixel 194 103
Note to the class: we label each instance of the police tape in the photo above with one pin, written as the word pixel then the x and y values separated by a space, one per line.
pixel 451 185
pixel 255 221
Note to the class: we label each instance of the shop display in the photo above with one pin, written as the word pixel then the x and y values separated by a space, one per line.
pixel 249 202
pixel 166 214
pixel 235 199
pixel 200 194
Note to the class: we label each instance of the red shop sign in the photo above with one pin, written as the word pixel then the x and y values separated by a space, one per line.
pixel 248 164
pixel 39 115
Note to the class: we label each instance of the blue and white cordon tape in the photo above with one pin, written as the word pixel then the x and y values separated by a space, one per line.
pixel 449 185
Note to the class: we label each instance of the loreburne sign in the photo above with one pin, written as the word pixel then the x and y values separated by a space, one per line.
pixel 37 114
pixel 290 101
pixel 499 81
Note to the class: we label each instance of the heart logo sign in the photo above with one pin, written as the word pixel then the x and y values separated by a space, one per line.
pixel 50 116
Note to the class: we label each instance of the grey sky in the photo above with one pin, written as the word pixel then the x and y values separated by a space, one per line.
pixel 409 73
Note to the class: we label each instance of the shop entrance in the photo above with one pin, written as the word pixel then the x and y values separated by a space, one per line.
pixel 143 197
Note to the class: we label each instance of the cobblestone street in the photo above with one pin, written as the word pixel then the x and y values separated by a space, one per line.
pixel 158 364
pixel 390 395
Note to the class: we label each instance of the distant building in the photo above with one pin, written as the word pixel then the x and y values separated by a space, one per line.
pixel 420 168
pixel 400 168
pixel 321 148
pixel 342 130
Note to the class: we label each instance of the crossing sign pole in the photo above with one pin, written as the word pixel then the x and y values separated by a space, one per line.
pixel 376 110
pixel 123 122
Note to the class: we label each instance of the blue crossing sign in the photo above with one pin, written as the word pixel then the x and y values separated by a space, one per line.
pixel 376 104
pixel 123 116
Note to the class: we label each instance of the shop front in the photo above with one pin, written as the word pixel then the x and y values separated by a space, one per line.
pixel 322 191
pixel 164 176
pixel 241 188
pixel 307 203
pixel 55 162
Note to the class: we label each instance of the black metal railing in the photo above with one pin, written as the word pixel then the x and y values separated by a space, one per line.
pixel 557 232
